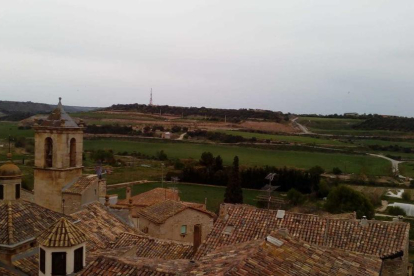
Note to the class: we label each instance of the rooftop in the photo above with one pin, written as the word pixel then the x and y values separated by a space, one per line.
pixel 22 221
pixel 160 212
pixel 100 226
pixel 80 185
pixel 281 254
pixel 241 223
pixel 148 247
pixel 151 197
pixel 62 234
pixel 9 169
pixel 59 118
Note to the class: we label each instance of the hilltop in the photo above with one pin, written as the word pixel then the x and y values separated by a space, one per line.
pixel 16 111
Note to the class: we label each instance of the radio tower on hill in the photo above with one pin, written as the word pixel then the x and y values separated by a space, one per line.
pixel 150 103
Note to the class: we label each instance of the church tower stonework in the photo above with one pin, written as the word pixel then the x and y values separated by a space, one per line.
pixel 58 157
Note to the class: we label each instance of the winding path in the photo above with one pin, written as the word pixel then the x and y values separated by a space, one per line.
pixel 394 163
pixel 304 129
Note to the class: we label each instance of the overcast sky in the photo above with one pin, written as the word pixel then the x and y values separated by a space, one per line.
pixel 325 56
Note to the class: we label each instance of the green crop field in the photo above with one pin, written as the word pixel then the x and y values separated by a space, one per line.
pixel 250 156
pixel 407 169
pixel 11 128
pixel 286 138
pixel 193 193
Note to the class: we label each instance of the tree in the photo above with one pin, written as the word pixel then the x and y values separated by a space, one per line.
pixel 343 199
pixel 234 193
pixel 218 163
pixel 295 197
pixel 207 159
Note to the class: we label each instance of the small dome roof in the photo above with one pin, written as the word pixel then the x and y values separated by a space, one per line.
pixel 9 169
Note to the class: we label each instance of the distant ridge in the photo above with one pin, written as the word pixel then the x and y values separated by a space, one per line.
pixel 16 111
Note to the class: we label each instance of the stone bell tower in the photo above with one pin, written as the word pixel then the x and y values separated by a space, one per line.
pixel 58 157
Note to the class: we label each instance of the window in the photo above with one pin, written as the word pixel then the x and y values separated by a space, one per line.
pixel 183 229
pixel 72 154
pixel 17 191
pixel 42 260
pixel 1 192
pixel 59 263
pixel 78 265
pixel 48 152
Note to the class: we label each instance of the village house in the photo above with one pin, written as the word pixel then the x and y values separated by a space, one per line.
pixel 175 220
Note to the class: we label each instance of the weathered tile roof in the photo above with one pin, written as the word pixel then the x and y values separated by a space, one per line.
pixel 278 254
pixel 28 265
pixel 100 226
pixel 283 255
pixel 22 220
pixel 111 266
pixel 160 212
pixel 5 272
pixel 80 185
pixel 148 247
pixel 243 223
pixel 151 197
pixel 62 234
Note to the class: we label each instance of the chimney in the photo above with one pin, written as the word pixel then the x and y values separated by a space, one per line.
pixel 128 193
pixel 197 237
pixel 223 211
pixel 364 221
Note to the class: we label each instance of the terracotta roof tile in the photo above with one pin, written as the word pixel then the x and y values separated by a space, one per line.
pixel 111 266
pixel 28 265
pixel 244 223
pixel 101 227
pixel 62 234
pixel 162 211
pixel 285 255
pixel 151 197
pixel 80 185
pixel 5 272
pixel 22 220
pixel 148 247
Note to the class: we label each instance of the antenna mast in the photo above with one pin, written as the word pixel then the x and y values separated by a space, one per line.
pixel 150 103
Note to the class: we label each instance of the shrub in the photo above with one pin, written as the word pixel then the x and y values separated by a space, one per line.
pixel 336 171
pixel 161 155
pixel 295 197
pixel 344 199
pixel 406 195
pixel 395 211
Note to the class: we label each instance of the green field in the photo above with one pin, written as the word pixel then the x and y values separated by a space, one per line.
pixel 250 156
pixel 337 126
pixel 193 193
pixel 286 138
pixel 11 128
pixel 368 142
pixel 407 169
